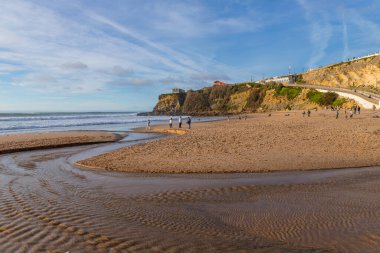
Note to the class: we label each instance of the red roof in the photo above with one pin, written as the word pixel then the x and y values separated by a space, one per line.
pixel 219 83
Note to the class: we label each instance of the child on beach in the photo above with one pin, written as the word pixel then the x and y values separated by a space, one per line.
pixel 308 113
pixel 171 122
pixel 180 122
pixel 188 121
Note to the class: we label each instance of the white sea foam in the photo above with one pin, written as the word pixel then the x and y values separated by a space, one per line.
pixel 72 121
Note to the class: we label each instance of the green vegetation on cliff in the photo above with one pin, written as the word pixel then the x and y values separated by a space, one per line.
pixel 243 98
pixel 323 99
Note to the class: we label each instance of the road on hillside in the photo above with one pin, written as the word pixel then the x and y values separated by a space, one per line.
pixel 370 97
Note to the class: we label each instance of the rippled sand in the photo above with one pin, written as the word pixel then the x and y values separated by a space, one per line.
pixel 51 206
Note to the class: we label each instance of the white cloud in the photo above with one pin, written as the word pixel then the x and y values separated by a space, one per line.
pixel 44 42
pixel 346 50
pixel 194 20
pixel 74 66
pixel 320 31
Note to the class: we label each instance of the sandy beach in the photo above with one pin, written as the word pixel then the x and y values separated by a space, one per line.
pixel 50 205
pixel 282 142
pixel 31 141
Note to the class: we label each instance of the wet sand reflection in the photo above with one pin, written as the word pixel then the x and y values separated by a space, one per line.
pixel 49 205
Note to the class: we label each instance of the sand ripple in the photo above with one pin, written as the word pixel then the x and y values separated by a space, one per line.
pixel 49 206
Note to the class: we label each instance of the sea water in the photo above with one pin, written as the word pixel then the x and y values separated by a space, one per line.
pixel 108 121
pixel 42 122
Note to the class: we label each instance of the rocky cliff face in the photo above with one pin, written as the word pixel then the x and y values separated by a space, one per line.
pixel 242 98
pixel 362 74
pixel 169 104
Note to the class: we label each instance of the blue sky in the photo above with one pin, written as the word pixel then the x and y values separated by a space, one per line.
pixel 99 55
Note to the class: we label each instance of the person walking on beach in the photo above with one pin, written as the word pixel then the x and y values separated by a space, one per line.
pixel 308 113
pixel 303 114
pixel 337 114
pixel 171 122
pixel 358 109
pixel 180 122
pixel 189 122
pixel 148 125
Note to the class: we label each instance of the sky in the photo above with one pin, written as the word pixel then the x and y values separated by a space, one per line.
pixel 119 55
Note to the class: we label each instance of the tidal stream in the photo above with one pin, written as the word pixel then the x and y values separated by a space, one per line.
pixel 49 205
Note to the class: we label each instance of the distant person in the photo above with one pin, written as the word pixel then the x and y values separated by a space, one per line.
pixel 337 114
pixel 228 117
pixel 180 122
pixel 308 113
pixel 171 122
pixel 245 117
pixel 303 114
pixel 189 122
pixel 351 113
pixel 148 124
pixel 240 117
pixel 358 109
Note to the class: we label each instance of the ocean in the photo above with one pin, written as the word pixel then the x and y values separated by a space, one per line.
pixel 42 122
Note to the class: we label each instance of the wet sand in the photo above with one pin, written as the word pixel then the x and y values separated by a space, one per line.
pixel 259 144
pixel 31 141
pixel 48 205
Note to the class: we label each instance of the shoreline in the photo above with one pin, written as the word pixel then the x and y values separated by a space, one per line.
pixel 12 143
pixel 192 151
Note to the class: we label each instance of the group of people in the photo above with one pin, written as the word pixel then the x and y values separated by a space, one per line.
pixel 308 113
pixel 356 109
pixel 188 122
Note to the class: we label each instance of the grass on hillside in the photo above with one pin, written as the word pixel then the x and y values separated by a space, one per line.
pixel 290 92
pixel 321 98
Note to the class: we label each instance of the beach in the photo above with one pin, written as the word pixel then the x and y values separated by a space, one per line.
pixel 44 140
pixel 284 141
pixel 49 204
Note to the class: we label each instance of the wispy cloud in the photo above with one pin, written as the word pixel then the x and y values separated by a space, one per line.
pixel 74 66
pixel 346 50
pixel 101 50
pixel 320 31
pixel 111 49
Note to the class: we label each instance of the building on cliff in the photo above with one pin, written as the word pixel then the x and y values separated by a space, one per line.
pixel 219 83
pixel 290 79
pixel 178 91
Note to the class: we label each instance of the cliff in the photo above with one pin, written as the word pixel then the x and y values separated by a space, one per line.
pixel 363 74
pixel 243 98
pixel 170 104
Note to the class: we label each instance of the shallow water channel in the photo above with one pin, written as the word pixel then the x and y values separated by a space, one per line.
pixel 48 204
